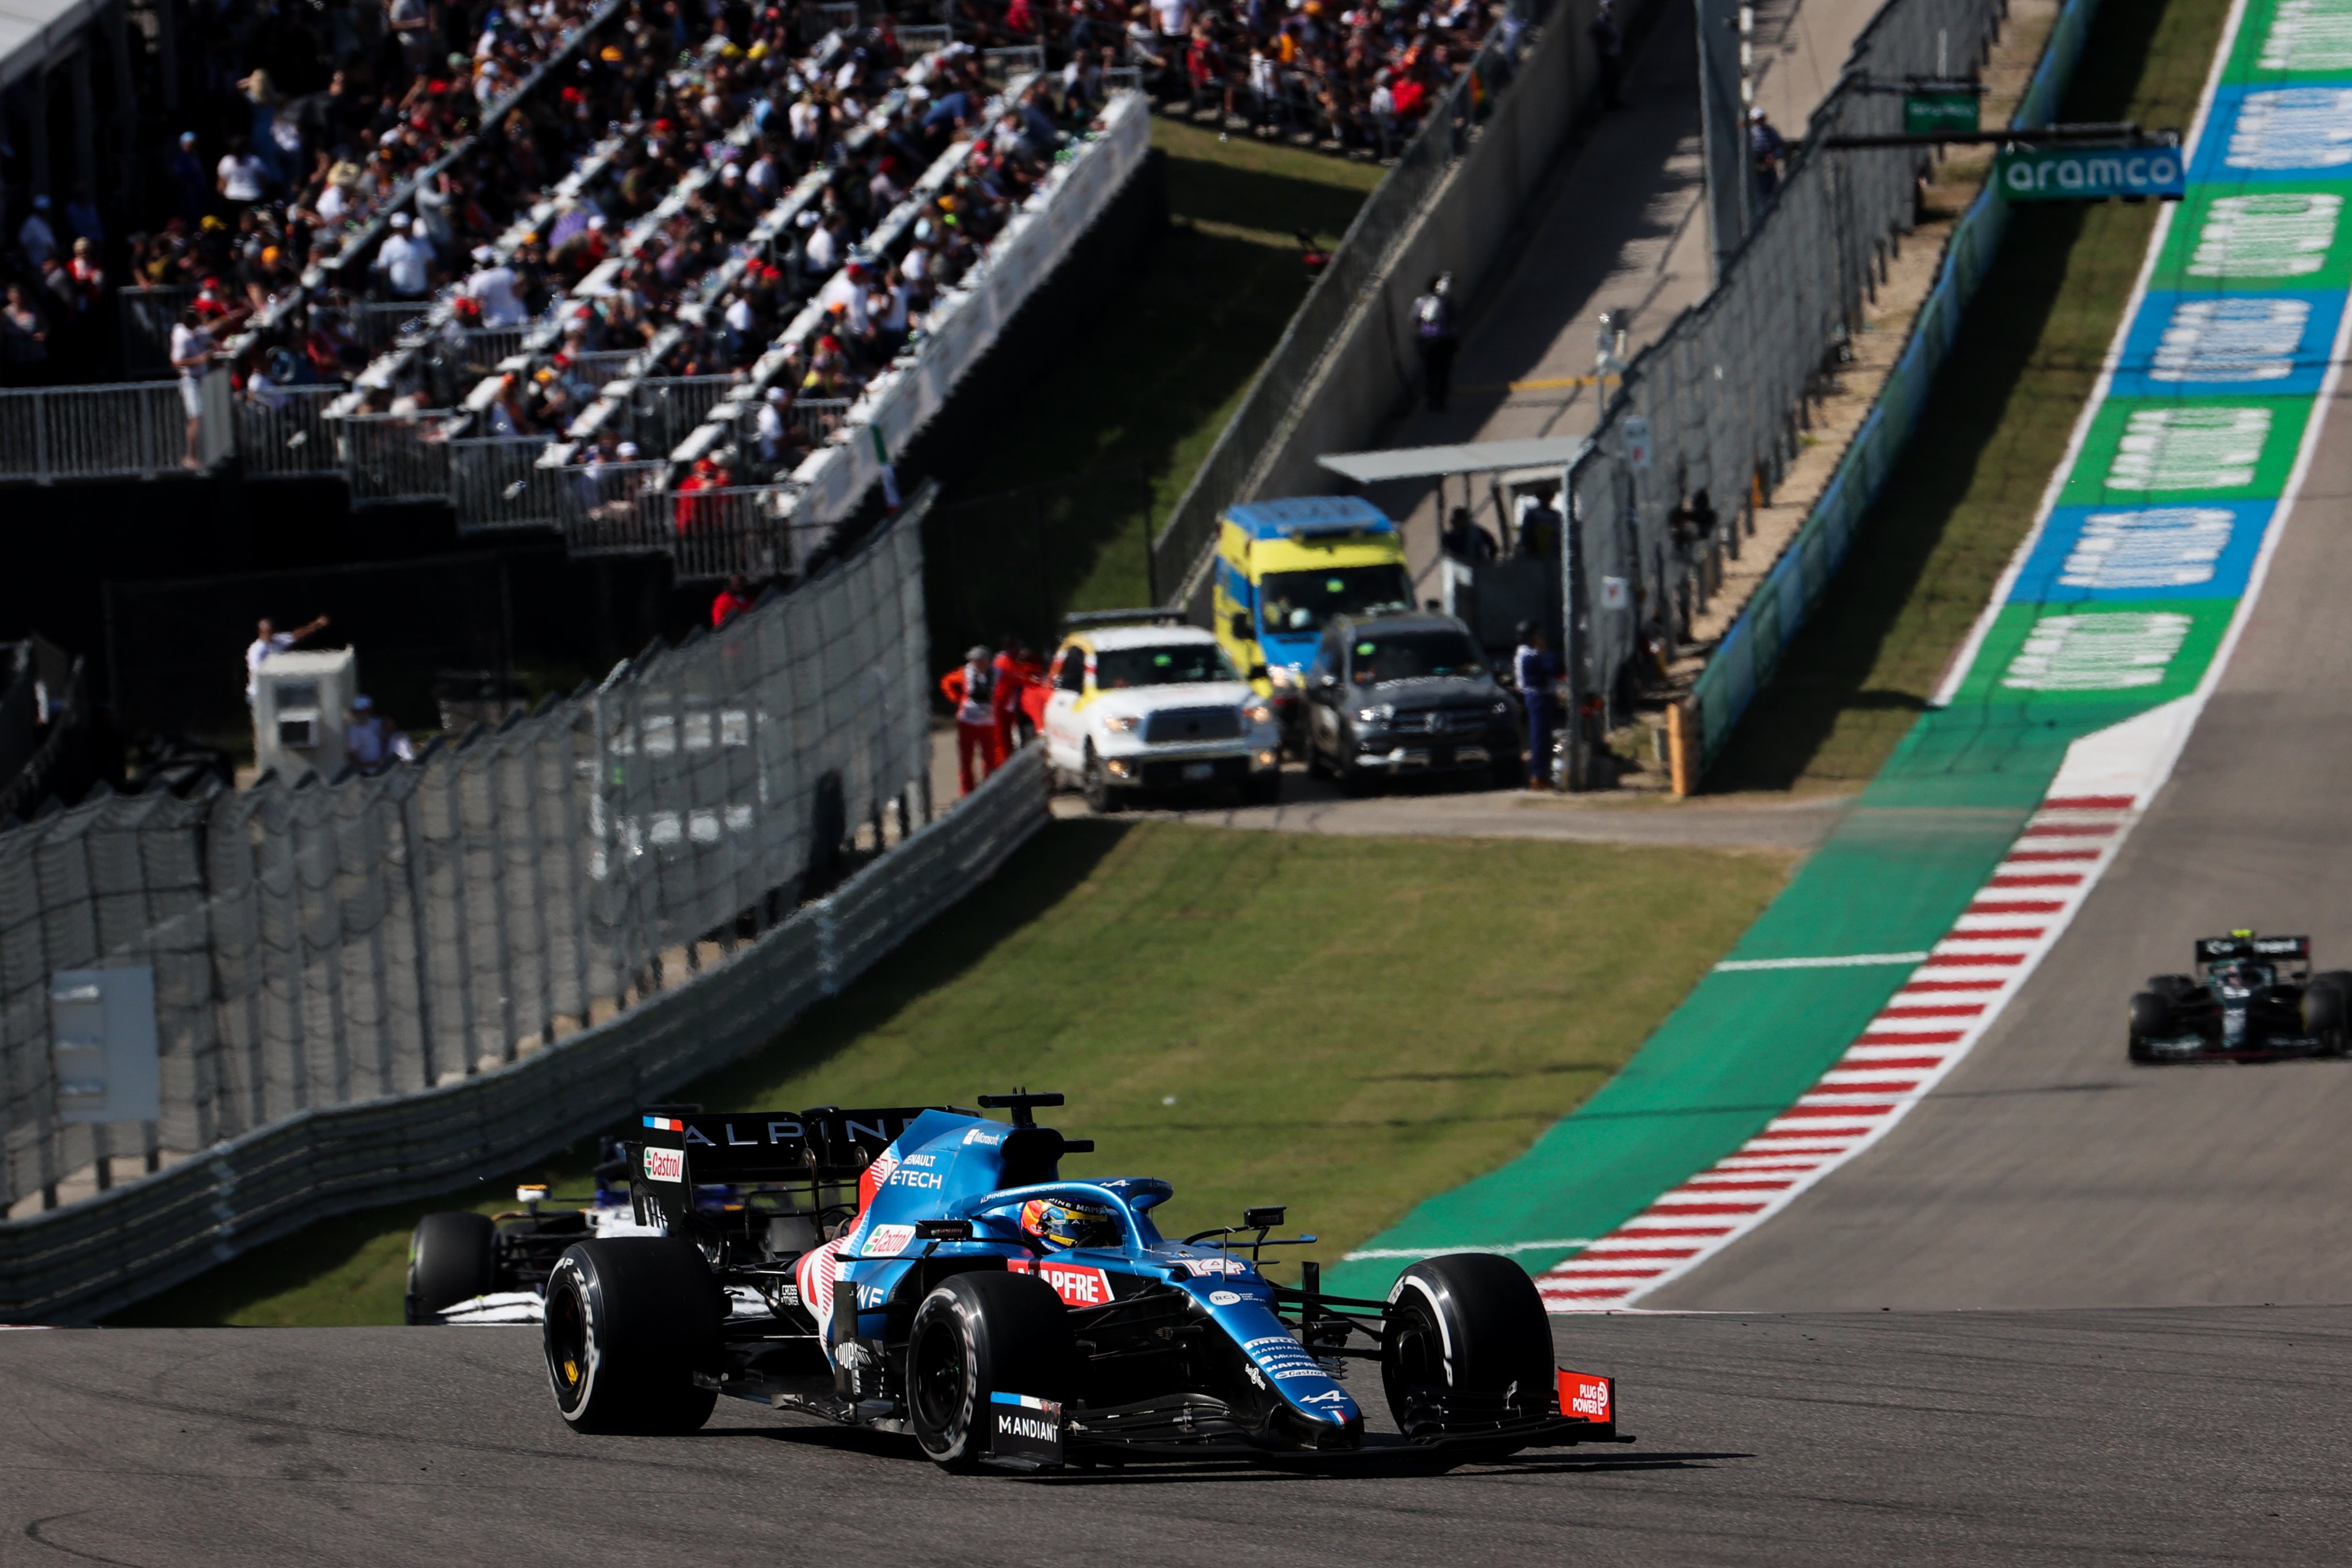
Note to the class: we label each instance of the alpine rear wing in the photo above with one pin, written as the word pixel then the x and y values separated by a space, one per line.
pixel 675 1152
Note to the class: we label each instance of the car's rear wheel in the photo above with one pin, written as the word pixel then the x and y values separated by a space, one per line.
pixel 452 1258
pixel 629 1322
pixel 975 1336
pixel 1467 1341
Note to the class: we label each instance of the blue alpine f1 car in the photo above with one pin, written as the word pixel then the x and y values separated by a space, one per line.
pixel 929 1271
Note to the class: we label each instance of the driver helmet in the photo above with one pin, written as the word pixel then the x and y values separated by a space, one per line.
pixel 1060 1222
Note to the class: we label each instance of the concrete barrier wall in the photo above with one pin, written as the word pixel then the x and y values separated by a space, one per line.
pixel 1369 372
pixel 1345 365
pixel 81 1262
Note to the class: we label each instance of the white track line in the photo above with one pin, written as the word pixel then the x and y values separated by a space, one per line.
pixel 1954 995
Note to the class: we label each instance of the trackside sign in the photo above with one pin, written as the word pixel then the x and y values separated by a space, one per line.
pixel 2091 173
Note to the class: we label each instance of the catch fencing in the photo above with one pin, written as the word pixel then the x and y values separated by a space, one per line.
pixel 1717 404
pixel 1744 660
pixel 81 1262
pixel 315 944
pixel 127 430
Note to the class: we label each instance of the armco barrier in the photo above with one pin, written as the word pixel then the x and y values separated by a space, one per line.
pixel 91 1258
pixel 1749 651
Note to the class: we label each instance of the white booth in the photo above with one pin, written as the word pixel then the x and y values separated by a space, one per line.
pixel 302 710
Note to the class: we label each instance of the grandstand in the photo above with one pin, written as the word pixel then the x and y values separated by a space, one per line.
pixel 657 284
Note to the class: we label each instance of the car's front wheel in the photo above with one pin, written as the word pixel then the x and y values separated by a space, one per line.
pixel 976 1335
pixel 1467 1341
pixel 1093 783
pixel 2328 1012
pixel 2151 1018
pixel 629 1322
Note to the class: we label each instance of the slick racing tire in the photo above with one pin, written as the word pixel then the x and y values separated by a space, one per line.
pixel 2151 1016
pixel 452 1258
pixel 2328 1012
pixel 974 1335
pixel 1470 1330
pixel 629 1322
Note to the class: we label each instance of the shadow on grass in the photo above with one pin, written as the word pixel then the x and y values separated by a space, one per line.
pixel 1092 458
pixel 1040 875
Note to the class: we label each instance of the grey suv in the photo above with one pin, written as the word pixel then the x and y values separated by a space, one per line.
pixel 1391 697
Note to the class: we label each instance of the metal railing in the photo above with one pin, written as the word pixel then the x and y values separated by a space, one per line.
pixel 127 430
pixel 663 409
pixel 392 458
pixel 1717 403
pixel 1746 655
pixel 410 978
pixel 599 505
pixel 81 1262
pixel 494 483
pixel 147 315
pixel 285 434
pixel 745 527
pixel 1000 68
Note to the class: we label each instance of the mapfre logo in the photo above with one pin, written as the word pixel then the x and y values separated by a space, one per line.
pixel 1077 1285
pixel 665 1165
pixel 1584 1399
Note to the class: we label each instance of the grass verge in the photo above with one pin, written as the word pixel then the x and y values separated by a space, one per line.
pixel 1967 489
pixel 1343 1024
pixel 1090 463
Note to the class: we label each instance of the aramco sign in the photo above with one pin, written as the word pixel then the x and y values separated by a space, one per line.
pixel 2091 173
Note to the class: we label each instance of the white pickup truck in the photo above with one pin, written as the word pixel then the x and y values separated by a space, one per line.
pixel 1130 708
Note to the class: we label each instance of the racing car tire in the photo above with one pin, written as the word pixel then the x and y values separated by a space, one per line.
pixel 629 1321
pixel 974 1335
pixel 2328 1012
pixel 452 1258
pixel 2151 1018
pixel 1472 1323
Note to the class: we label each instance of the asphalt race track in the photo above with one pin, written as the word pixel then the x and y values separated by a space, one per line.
pixel 2046 1171
pixel 1999 1438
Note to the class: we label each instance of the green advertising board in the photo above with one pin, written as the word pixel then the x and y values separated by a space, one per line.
pixel 1928 111
pixel 2091 173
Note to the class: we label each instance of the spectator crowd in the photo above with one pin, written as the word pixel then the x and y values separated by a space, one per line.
pixel 398 128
